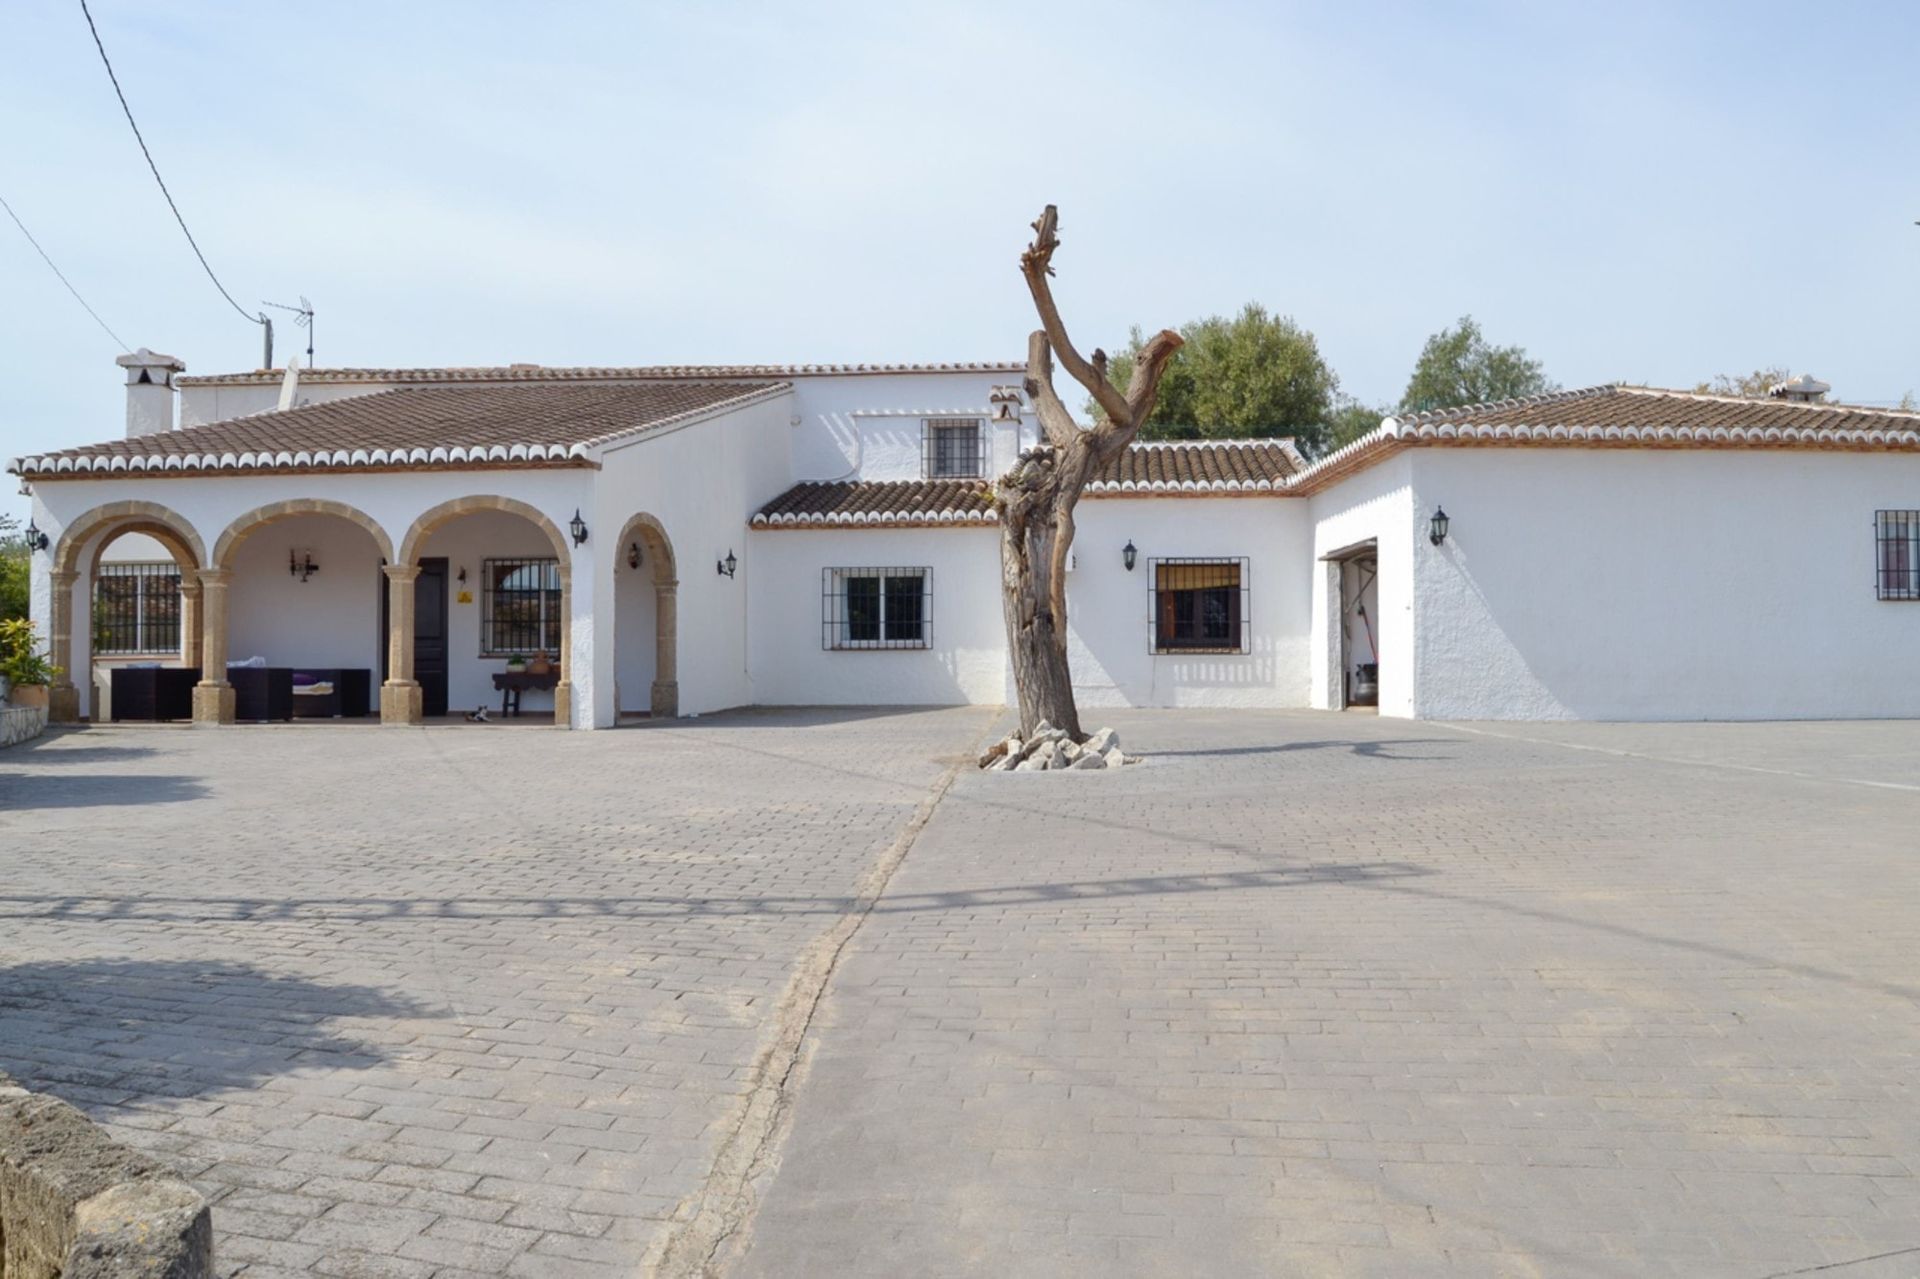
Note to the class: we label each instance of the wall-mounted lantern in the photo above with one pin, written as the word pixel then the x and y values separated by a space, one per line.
pixel 300 564
pixel 1128 555
pixel 633 555
pixel 36 540
pixel 579 527
pixel 1437 526
pixel 462 578
pixel 726 567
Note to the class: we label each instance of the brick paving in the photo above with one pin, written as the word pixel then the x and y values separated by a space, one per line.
pixel 432 1002
pixel 1330 995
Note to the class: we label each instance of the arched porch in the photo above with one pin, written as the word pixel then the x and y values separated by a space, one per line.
pixel 523 589
pixel 646 620
pixel 76 562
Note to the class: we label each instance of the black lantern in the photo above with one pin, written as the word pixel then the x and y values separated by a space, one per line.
pixel 579 527
pixel 36 540
pixel 1437 526
pixel 300 564
pixel 1128 555
pixel 726 567
pixel 633 555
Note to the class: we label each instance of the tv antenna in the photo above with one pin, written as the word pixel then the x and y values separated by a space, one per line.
pixel 302 316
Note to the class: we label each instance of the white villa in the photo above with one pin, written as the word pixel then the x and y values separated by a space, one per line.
pixel 686 539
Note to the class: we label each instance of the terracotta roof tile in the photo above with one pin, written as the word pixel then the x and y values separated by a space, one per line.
pixel 1199 466
pixel 1644 407
pixel 594 373
pixel 878 504
pixel 516 426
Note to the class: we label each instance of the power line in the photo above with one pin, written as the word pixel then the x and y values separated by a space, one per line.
pixel 252 319
pixel 57 271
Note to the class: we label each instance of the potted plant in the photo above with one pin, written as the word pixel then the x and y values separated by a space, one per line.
pixel 24 670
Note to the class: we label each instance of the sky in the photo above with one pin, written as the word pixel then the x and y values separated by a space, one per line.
pixel 1651 193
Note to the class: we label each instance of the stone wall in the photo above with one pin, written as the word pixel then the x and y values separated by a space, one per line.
pixel 75 1204
pixel 21 723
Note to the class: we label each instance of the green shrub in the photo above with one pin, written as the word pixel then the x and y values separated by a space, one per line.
pixel 21 661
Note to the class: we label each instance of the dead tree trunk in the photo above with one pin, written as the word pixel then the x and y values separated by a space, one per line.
pixel 1036 498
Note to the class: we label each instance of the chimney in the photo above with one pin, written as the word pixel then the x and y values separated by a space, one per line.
pixel 1803 388
pixel 149 391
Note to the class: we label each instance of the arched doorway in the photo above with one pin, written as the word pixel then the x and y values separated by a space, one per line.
pixel 646 621
pixel 305 599
pixel 76 563
pixel 501 572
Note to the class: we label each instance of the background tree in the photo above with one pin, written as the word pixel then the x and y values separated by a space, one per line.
pixel 15 570
pixel 1036 498
pixel 1458 366
pixel 1752 386
pixel 1350 420
pixel 1255 376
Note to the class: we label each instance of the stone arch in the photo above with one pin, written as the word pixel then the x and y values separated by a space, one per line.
pixel 152 515
pixel 273 511
pixel 433 518
pixel 185 558
pixel 111 518
pixel 400 699
pixel 664 697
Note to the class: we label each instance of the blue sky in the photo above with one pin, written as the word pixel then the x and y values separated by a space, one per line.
pixel 1654 193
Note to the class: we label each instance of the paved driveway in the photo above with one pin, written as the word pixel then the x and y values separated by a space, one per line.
pixel 433 1002
pixel 1324 995
pixel 1304 994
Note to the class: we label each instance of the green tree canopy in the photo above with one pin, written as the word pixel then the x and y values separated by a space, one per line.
pixel 1752 386
pixel 15 561
pixel 1255 376
pixel 1458 366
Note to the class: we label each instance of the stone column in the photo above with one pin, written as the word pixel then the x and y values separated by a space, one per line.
pixel 63 696
pixel 190 636
pixel 213 697
pixel 401 698
pixel 665 702
pixel 563 691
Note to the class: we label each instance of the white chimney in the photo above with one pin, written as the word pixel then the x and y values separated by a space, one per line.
pixel 149 390
pixel 1803 388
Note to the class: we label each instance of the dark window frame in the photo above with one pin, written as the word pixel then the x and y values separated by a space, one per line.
pixel 1217 617
pixel 1896 559
pixel 143 621
pixel 871 609
pixel 953 448
pixel 520 635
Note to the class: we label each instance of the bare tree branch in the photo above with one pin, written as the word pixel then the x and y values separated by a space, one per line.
pixel 1036 264
pixel 1056 419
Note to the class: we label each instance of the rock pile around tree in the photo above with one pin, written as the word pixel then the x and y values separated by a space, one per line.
pixel 1052 748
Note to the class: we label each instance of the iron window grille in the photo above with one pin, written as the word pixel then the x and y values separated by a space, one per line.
pixel 876 608
pixel 1897 541
pixel 1199 606
pixel 136 609
pixel 952 448
pixel 519 607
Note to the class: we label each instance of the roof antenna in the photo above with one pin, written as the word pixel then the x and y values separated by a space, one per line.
pixel 303 316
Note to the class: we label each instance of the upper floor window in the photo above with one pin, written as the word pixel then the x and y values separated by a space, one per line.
pixel 877 608
pixel 1897 543
pixel 136 609
pixel 952 448
pixel 519 607
pixel 1199 606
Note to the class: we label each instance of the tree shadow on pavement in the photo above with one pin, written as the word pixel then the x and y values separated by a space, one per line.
pixel 21 791
pixel 176 1028
pixel 1365 749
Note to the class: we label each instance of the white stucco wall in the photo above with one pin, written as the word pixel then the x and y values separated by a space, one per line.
pixel 869 427
pixel 1661 585
pixel 966 664
pixel 1108 607
pixel 467 543
pixel 1376 505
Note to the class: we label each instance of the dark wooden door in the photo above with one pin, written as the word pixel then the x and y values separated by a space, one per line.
pixel 430 635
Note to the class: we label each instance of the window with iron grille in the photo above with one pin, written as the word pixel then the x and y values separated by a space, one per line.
pixel 136 609
pixel 864 608
pixel 1897 538
pixel 952 448
pixel 1199 606
pixel 519 607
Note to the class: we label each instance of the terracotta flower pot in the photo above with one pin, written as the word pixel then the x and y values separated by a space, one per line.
pixel 29 695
